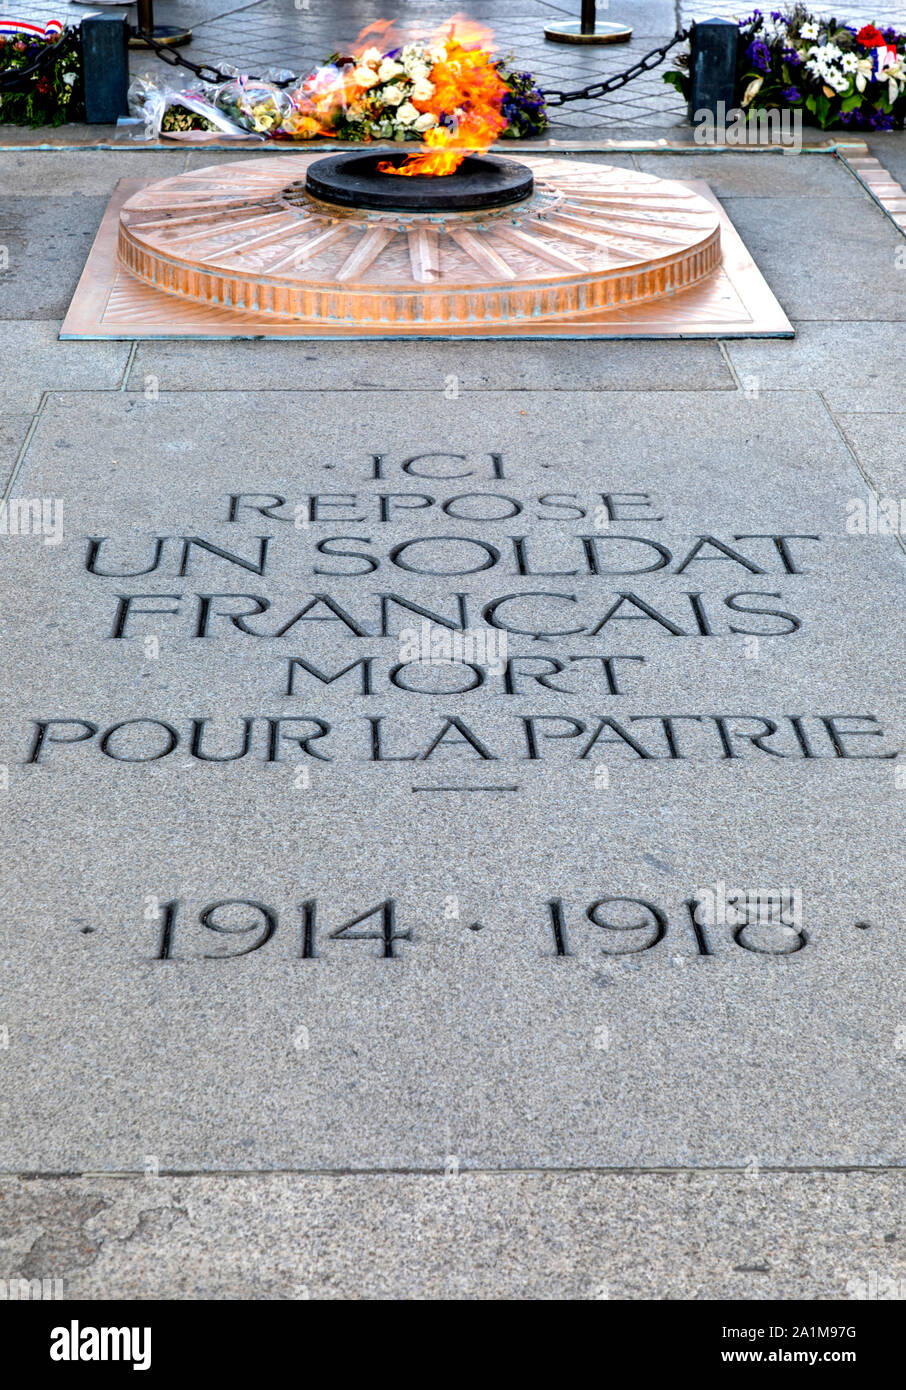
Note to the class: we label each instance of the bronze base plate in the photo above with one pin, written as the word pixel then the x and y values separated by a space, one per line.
pixel 168 35
pixel 570 31
pixel 733 301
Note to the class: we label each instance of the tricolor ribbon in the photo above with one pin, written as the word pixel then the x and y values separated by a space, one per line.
pixel 20 28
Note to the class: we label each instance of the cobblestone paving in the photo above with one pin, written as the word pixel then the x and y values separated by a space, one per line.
pixel 298 34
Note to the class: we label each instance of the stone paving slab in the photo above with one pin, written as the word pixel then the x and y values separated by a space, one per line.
pixel 83 173
pixel 501 1033
pixel 844 400
pixel 491 1236
pixel 202 159
pixel 48 240
pixel 431 366
pixel 475 1045
pixel 838 256
pixel 191 439
pixel 757 175
pixel 840 358
pixel 35 361
pixel 14 426
pixel 876 436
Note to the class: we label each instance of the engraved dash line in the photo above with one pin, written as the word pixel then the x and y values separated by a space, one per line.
pixel 481 788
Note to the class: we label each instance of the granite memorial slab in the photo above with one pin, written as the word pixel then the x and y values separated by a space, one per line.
pixel 447 781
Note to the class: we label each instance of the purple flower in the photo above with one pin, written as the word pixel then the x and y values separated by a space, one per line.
pixel 880 120
pixel 759 56
pixel 791 94
pixel 791 58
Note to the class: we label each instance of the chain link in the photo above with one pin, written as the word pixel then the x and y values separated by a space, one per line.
pixel 204 71
pixel 619 79
pixel 590 93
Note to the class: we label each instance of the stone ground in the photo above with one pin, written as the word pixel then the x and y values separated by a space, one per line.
pixel 477 1117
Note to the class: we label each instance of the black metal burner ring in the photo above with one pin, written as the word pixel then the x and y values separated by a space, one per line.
pixel 482 181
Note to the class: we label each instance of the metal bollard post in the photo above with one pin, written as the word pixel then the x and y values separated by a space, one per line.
pixel 105 65
pixel 712 69
pixel 170 35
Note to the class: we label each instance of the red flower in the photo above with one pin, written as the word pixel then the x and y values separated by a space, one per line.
pixel 870 37
pixel 44 86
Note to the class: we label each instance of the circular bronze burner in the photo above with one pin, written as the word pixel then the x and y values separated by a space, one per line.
pixel 354 181
pixel 246 239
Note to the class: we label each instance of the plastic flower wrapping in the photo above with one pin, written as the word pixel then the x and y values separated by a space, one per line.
pixel 837 74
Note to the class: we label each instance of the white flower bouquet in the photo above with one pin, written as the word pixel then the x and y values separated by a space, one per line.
pixel 836 74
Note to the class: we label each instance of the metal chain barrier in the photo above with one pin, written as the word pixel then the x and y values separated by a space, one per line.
pixel 590 93
pixel 206 73
pixel 619 79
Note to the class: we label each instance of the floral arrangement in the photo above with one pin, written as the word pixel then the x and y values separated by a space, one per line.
pixel 523 107
pixel 52 94
pixel 447 90
pixel 177 118
pixel 446 83
pixel 384 96
pixel 836 74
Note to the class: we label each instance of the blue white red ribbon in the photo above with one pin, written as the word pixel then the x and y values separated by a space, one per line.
pixel 22 29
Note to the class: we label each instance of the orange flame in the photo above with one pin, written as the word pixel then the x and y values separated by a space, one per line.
pixel 378 28
pixel 334 88
pixel 466 101
pixel 468 89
